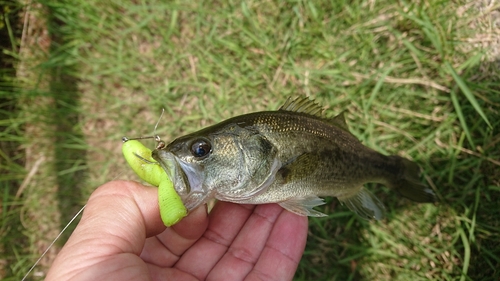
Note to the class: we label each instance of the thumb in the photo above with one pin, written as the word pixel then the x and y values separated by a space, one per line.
pixel 117 219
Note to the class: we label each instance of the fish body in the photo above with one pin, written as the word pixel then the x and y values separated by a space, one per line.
pixel 291 156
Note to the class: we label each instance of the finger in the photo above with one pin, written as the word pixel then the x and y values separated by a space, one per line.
pixel 226 221
pixel 283 250
pixel 248 245
pixel 116 220
pixel 176 239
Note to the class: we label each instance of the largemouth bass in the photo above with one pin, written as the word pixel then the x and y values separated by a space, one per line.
pixel 291 156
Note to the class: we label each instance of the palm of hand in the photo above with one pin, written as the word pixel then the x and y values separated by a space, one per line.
pixel 233 242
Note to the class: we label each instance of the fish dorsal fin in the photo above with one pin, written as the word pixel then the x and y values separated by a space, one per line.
pixel 302 105
pixel 307 106
pixel 339 121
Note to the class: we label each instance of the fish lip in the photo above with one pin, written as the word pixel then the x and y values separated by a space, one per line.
pixel 170 165
pixel 187 180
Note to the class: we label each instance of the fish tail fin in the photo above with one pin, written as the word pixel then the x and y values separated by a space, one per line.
pixel 409 185
pixel 365 204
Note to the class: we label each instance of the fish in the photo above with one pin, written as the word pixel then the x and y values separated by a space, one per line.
pixel 293 156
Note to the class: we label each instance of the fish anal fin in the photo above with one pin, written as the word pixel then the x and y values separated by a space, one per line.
pixel 365 204
pixel 304 206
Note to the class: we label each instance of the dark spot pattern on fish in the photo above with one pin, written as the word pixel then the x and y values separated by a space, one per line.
pixel 284 172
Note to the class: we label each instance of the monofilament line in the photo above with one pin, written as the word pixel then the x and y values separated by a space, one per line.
pixel 53 241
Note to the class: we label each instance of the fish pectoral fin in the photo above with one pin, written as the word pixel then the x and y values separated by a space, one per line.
pixel 304 206
pixel 365 204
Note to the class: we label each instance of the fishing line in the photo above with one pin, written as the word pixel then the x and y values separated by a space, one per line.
pixel 53 242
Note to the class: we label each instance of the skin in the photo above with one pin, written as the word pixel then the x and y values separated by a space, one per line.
pixel 121 237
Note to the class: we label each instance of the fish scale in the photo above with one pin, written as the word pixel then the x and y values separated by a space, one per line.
pixel 291 156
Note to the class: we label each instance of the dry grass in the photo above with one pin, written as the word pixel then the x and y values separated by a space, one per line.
pixel 109 68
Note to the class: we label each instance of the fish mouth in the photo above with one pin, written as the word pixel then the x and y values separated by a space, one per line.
pixel 187 179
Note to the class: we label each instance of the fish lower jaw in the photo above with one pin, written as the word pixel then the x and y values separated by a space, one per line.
pixel 195 199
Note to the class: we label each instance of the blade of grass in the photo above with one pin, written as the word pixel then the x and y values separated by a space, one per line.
pixel 461 117
pixel 467 253
pixel 467 92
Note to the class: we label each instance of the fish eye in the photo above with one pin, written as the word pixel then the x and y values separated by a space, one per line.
pixel 200 148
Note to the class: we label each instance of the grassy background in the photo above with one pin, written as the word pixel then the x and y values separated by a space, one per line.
pixel 416 79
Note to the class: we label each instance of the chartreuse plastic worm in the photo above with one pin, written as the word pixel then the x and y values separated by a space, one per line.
pixel 172 210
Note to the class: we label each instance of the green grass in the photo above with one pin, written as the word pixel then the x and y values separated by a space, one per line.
pixel 405 74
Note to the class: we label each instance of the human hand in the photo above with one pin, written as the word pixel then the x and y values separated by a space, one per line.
pixel 121 237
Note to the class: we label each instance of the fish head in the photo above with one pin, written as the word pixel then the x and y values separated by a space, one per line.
pixel 230 163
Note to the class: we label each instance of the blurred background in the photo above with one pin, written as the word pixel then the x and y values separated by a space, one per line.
pixel 418 79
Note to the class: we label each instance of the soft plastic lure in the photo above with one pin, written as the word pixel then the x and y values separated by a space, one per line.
pixel 172 210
